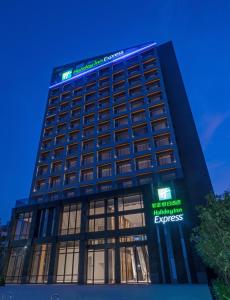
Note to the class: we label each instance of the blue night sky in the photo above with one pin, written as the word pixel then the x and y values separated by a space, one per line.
pixel 38 35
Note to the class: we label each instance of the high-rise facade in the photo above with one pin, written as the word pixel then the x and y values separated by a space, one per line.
pixel 118 173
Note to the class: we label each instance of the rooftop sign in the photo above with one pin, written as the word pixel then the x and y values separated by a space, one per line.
pixel 85 68
pixel 97 62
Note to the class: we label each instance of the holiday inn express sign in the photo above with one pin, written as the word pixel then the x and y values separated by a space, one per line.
pixel 62 75
pixel 167 209
pixel 90 65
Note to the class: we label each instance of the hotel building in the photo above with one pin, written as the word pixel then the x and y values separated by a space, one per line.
pixel 118 174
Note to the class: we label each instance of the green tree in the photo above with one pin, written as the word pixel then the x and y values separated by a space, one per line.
pixel 212 236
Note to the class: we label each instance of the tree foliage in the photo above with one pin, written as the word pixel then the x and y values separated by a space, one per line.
pixel 212 236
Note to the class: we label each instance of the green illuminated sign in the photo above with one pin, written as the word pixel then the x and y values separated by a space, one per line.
pixel 164 193
pixel 165 210
pixel 97 62
pixel 66 75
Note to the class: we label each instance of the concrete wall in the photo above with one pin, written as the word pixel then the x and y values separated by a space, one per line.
pixel 105 292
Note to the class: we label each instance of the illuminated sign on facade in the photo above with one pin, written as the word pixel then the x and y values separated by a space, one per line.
pixel 97 62
pixel 82 69
pixel 164 193
pixel 165 210
pixel 66 75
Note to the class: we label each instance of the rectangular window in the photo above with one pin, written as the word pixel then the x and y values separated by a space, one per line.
pixel 96 266
pixel 124 167
pixel 72 149
pixel 162 140
pixel 87 174
pixel 131 221
pixel 104 155
pixel 96 207
pixel 22 226
pixel 104 171
pixel 103 127
pixel 56 166
pixel 15 265
pixel 137 103
pixel 40 264
pixel 75 124
pixel 133 238
pixel 96 225
pixel 71 219
pixel 104 140
pixel 120 109
pixel 140 130
pixel 142 145
pixel 156 110
pixel 68 261
pixel 110 223
pixel 134 264
pixel 161 124
pixel 88 132
pixel 121 121
pixel 123 150
pixel 130 202
pixel 88 159
pixel 143 163
pixel 88 146
pixel 121 135
pixel 55 181
pixel 164 158
pixel 137 117
pixel 71 163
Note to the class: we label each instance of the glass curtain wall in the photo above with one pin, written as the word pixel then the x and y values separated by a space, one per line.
pixel 40 264
pixel 15 265
pixel 68 261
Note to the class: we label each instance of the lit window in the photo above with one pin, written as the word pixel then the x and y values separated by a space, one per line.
pixel 71 219
pixel 22 226
pixel 68 261
pixel 143 145
pixel 96 207
pixel 131 221
pixel 96 225
pixel 143 163
pixel 124 167
pixel 162 140
pixel 104 171
pixel 161 124
pixel 130 202
pixel 40 264
pixel 15 265
pixel 134 264
pixel 123 150
pixel 104 155
pixel 165 158
pixel 87 174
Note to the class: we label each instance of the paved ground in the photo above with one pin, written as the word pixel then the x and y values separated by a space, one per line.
pixel 106 292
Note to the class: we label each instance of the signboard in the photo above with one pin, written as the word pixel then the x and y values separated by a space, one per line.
pixel 77 70
pixel 66 75
pixel 164 193
pixel 90 65
pixel 165 210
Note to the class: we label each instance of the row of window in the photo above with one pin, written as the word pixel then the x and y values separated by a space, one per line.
pixel 120 168
pixel 100 263
pixel 138 146
pixel 101 141
pixel 76 105
pixel 105 124
pixel 164 174
pixel 104 86
pixel 100 217
pixel 145 60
